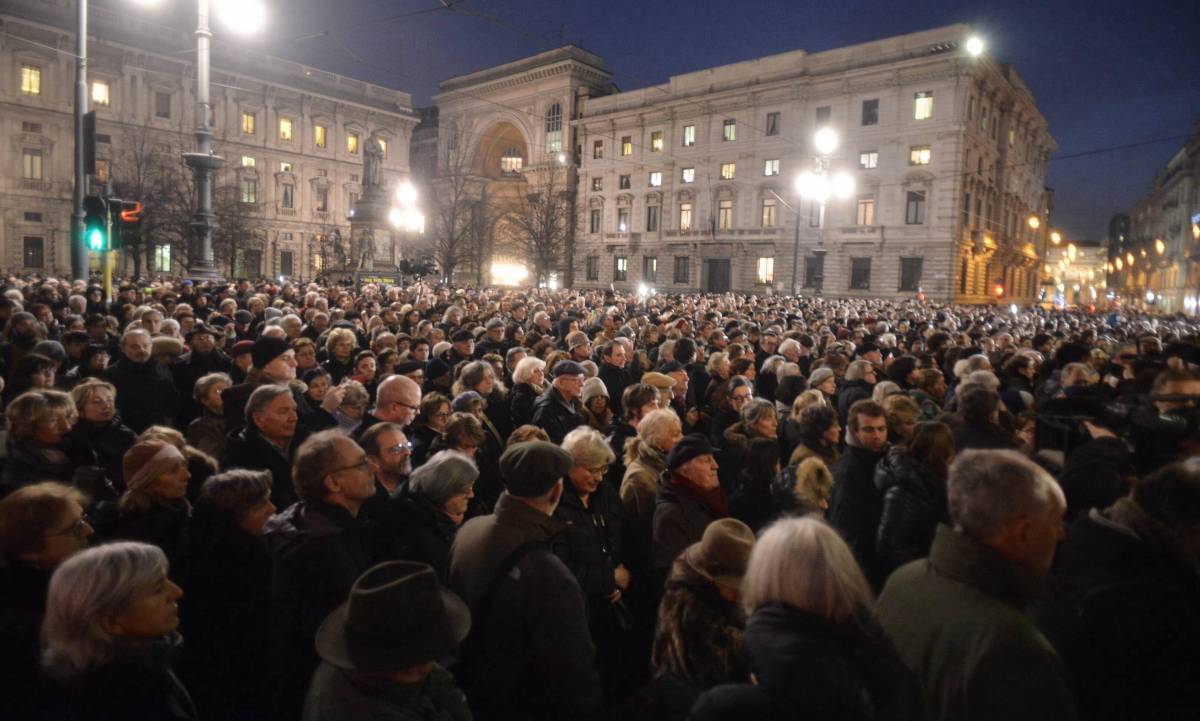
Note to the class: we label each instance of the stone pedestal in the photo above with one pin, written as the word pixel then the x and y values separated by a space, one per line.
pixel 375 251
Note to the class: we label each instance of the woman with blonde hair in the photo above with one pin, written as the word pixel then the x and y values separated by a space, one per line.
pixel 812 640
pixel 110 634
pixel 201 465
pixel 100 427
pixel 339 351
pixel 42 448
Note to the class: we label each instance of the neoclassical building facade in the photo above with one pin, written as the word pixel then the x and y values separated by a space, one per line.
pixel 292 137
pixel 690 185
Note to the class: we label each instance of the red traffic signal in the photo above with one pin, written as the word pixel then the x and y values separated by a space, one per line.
pixel 132 211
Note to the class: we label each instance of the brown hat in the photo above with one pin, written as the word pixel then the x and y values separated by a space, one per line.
pixel 661 381
pixel 723 552
pixel 397 616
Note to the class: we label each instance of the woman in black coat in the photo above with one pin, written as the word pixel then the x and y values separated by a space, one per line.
pixel 100 428
pixel 428 427
pixel 425 512
pixel 154 508
pixel 529 382
pixel 912 479
pixel 99 671
pixel 227 615
pixel 42 448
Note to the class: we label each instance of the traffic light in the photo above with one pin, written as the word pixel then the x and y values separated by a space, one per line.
pixel 95 223
pixel 126 214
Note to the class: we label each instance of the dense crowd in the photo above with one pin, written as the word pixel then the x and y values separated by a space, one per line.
pixel 283 501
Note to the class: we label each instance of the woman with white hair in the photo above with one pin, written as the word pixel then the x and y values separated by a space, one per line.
pixel 529 382
pixel 429 508
pixel 812 639
pixel 109 637
pixel 591 544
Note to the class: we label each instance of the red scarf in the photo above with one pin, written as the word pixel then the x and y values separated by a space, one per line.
pixel 714 499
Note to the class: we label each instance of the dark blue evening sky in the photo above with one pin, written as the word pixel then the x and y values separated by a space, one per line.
pixel 1104 73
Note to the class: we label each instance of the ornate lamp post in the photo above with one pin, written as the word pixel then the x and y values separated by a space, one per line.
pixel 818 185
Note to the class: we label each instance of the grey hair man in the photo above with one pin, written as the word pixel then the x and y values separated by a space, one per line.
pixel 957 617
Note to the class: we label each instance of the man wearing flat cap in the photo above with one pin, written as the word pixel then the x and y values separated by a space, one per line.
pixel 530 656
pixel 380 650
pixel 462 347
pixel 689 498
pixel 559 410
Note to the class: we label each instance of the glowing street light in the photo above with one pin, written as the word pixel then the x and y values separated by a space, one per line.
pixel 243 17
pixel 825 141
pixel 975 46
pixel 1129 259
pixel 407 217
pixel 1072 251
pixel 1120 264
pixel 1159 246
pixel 1055 237
pixel 1035 222
pixel 407 194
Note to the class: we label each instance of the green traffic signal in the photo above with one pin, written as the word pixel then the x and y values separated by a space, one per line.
pixel 95 224
pixel 95 239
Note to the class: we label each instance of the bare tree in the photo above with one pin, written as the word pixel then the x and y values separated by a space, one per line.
pixel 238 223
pixel 455 206
pixel 543 218
pixel 148 167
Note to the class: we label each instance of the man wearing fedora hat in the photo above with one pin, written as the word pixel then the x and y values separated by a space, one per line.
pixel 531 656
pixel 380 650
pixel 202 358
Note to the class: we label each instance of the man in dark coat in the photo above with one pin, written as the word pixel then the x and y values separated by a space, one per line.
pixel 1126 617
pixel 529 655
pixel 975 424
pixel 203 358
pixel 689 498
pixel 268 441
pixel 319 551
pixel 859 385
pixel 274 363
pixel 146 394
pixel 856 503
pixel 957 617
pixel 557 411
pixel 614 374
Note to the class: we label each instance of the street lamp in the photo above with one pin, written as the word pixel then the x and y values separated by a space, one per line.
pixel 1035 222
pixel 406 216
pixel 1159 246
pixel 1055 237
pixel 241 17
pixel 817 185
pixel 975 46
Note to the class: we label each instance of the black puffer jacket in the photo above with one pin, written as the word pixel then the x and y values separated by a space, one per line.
pixel 247 448
pixel 914 501
pixel 109 442
pixel 520 404
pixel 553 414
pixel 820 669
pixel 856 505
pixel 146 393
pixel 412 528
pixel 1096 474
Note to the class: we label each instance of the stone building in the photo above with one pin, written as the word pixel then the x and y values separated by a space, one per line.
pixel 1155 260
pixel 690 184
pixel 292 137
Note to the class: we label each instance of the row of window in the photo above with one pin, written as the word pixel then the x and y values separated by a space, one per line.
pixel 764 271
pixel 922 110
pixel 914 214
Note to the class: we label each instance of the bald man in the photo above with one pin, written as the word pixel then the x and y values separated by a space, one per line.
pixel 397 401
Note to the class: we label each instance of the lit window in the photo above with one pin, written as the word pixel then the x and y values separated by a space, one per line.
pixel 162 258
pixel 382 147
pixel 923 105
pixel 352 143
pixel 688 175
pixel 320 135
pixel 725 214
pixel 649 268
pixel 866 211
pixel 285 130
pixel 728 170
pixel 689 136
pixel 769 213
pixel 511 162
pixel 868 159
pixel 627 145
pixel 285 167
pixel 622 220
pixel 656 141
pixel 102 170
pixel 31 80
pixel 249 190
pixel 772 124
pixel 31 164
pixel 729 130
pixel 771 167
pixel 554 128
pixel 620 267
pixel 247 161
pixel 597 184
pixel 100 92
pixel 685 216
pixel 919 155
pixel 248 123
pixel 655 179
pixel 597 149
pixel 766 271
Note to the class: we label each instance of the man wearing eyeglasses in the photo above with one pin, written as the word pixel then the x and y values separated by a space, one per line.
pixel 558 410
pixel 397 401
pixel 390 454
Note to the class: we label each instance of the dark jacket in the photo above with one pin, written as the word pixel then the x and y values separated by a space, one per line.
pixel 520 404
pixel 957 620
pixel 850 393
pixel 413 528
pixel 75 464
pixel 590 545
pixel 969 435
pixel 146 393
pixel 616 380
pixel 227 621
pixel 337 369
pixel 207 433
pixel 166 525
pixel 817 668
pixel 422 437
pixel 190 368
pixel 1096 474
pixel 530 655
pixel 138 685
pixel 679 521
pixel 22 607
pixel 334 696
pixel 319 552
pixel 699 636
pixel 856 505
pixel 247 448
pixel 553 414
pixel 1126 617
pixel 109 442
pixel 914 502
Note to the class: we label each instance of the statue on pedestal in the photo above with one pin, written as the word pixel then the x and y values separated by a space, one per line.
pixel 372 165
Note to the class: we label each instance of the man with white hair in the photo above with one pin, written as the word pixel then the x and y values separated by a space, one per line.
pixel 957 617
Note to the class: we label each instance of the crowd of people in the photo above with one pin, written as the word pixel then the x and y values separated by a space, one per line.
pixel 282 501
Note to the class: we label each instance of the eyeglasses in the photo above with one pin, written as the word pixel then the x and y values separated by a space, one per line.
pixel 78 528
pixel 442 414
pixel 401 448
pixel 739 398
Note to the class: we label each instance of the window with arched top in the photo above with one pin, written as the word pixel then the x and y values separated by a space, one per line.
pixel 511 161
pixel 554 128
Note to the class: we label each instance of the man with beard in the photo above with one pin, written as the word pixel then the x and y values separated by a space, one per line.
pixel 146 394
pixel 204 358
pixel 389 453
